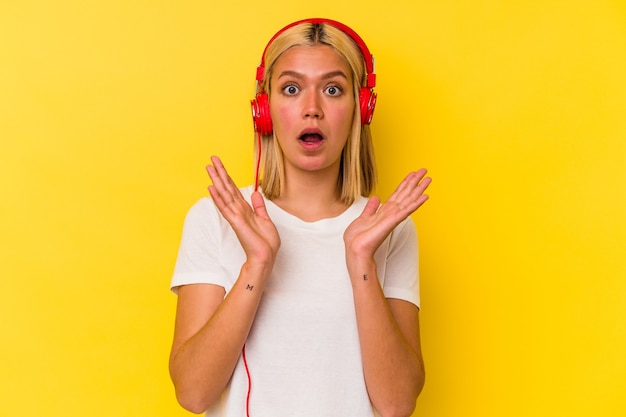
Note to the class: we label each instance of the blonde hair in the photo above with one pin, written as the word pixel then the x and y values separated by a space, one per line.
pixel 357 176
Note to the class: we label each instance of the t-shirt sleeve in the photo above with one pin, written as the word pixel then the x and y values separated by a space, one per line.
pixel 198 255
pixel 401 275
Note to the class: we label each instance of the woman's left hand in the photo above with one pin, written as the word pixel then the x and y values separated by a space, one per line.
pixel 366 233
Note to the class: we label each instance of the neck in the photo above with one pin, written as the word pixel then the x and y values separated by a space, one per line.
pixel 311 196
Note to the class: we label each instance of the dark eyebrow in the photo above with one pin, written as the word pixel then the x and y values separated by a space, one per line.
pixel 333 74
pixel 296 74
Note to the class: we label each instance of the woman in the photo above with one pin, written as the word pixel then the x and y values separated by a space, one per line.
pixel 302 299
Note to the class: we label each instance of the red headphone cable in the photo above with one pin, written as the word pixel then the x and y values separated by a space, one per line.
pixel 245 364
pixel 243 350
pixel 258 162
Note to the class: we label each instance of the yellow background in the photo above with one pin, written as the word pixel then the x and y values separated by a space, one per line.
pixel 109 111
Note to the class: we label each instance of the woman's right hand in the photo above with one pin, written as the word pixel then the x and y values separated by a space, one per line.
pixel 252 225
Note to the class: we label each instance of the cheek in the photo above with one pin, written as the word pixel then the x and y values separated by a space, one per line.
pixel 282 115
pixel 345 115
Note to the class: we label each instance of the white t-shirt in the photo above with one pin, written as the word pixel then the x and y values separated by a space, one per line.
pixel 303 349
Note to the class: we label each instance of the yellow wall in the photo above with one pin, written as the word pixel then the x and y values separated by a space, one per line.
pixel 109 112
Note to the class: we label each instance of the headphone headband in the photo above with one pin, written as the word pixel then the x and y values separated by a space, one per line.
pixel 367 56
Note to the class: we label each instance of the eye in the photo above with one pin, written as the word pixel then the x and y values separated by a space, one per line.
pixel 290 90
pixel 333 90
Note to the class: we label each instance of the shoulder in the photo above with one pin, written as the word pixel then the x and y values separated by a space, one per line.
pixel 201 210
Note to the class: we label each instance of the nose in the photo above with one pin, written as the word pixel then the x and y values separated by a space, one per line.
pixel 312 106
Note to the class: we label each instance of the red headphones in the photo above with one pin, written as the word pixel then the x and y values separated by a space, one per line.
pixel 367 97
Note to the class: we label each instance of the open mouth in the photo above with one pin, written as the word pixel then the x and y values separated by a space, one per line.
pixel 311 137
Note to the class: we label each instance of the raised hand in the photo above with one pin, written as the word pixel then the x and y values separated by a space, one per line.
pixel 366 233
pixel 252 225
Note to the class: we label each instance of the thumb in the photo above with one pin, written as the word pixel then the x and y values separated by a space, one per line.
pixel 371 207
pixel 258 204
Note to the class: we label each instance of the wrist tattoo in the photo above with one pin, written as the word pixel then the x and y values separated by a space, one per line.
pixel 365 277
pixel 249 287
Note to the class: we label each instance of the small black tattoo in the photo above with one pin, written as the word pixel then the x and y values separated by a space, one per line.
pixel 365 277
pixel 249 287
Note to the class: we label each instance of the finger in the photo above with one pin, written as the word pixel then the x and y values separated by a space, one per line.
pixel 223 183
pixel 225 179
pixel 258 204
pixel 218 191
pixel 408 184
pixel 414 179
pixel 420 188
pixel 425 183
pixel 417 197
pixel 225 194
pixel 216 179
pixel 410 194
pixel 371 207
pixel 218 200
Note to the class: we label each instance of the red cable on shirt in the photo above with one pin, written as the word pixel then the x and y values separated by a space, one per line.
pixel 245 363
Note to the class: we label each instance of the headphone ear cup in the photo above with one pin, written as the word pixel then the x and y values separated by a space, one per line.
pixel 261 114
pixel 367 101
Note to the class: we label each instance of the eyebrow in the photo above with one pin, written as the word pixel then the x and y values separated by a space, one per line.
pixel 326 76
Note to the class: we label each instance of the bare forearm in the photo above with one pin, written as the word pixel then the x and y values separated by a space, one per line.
pixel 203 364
pixel 393 369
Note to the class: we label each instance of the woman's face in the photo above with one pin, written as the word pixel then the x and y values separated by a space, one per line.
pixel 312 106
